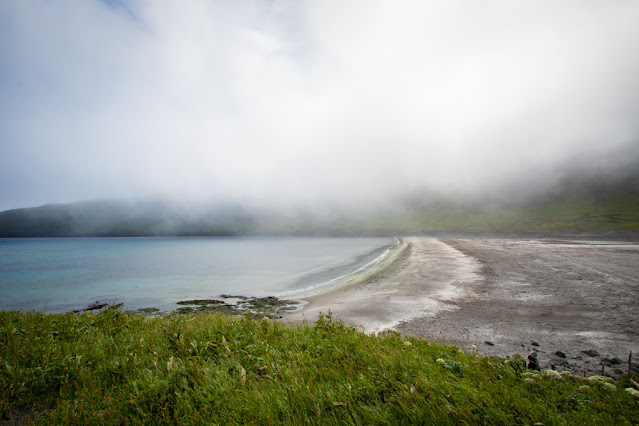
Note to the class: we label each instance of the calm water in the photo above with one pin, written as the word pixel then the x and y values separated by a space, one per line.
pixel 59 275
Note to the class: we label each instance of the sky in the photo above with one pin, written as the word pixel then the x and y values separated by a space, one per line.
pixel 310 102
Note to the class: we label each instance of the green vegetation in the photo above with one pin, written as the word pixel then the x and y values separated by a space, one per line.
pixel 120 367
pixel 578 205
pixel 269 306
pixel 572 212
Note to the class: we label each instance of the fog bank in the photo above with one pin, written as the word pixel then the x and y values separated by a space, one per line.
pixel 312 104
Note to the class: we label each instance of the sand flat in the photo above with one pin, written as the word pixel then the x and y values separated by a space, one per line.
pixel 507 296
pixel 421 282
pixel 550 296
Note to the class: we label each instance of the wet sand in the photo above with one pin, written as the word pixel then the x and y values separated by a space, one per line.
pixel 423 277
pixel 576 304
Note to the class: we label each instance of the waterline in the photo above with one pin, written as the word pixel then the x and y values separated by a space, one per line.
pixel 60 275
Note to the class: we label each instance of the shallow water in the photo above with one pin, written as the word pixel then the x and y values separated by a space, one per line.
pixel 62 274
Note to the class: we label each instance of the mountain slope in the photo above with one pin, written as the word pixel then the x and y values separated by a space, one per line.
pixel 120 218
pixel 573 212
pixel 595 203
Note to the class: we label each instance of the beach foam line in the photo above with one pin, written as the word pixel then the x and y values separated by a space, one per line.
pixel 357 274
pixel 429 275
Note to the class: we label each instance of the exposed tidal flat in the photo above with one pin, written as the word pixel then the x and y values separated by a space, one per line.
pixel 573 302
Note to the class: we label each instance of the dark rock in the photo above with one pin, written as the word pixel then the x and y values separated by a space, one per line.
pixel 533 362
pixel 615 361
pixel 534 343
pixel 95 306
pixel 233 296
pixel 257 307
pixel 591 352
pixel 200 302
pixel 489 343
pixel 560 354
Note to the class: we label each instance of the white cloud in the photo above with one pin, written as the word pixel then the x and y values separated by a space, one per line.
pixel 313 101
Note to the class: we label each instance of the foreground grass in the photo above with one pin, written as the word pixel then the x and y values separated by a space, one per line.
pixel 118 367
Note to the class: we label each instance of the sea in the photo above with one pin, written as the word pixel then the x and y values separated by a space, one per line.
pixel 65 274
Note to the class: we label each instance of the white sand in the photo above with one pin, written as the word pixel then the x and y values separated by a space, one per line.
pixel 428 273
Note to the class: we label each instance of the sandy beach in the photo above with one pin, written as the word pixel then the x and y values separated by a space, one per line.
pixel 425 274
pixel 574 302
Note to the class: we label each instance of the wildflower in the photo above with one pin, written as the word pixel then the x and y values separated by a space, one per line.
pixel 440 361
pixel 242 375
pixel 266 319
pixel 601 379
pixel 473 348
pixel 553 374
pixel 407 343
pixel 609 387
pixel 392 330
pixel 530 374
pixel 566 374
pixel 633 392
pixel 530 380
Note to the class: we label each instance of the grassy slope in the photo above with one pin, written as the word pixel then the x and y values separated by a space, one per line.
pixel 578 211
pixel 208 368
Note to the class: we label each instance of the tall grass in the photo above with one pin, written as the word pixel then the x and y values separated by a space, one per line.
pixel 119 367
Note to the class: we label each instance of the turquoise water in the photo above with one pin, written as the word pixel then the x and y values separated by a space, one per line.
pixel 62 274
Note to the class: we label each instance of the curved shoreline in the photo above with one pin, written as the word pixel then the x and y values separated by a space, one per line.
pixel 416 282
pixel 573 304
pixel 380 262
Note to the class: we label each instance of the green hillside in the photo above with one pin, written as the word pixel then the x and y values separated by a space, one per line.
pixel 579 205
pixel 574 212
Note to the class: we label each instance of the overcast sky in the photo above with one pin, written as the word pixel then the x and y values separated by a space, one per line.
pixel 294 101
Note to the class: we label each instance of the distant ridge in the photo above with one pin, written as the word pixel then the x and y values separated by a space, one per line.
pixel 580 202
pixel 594 203
pixel 112 218
pixel 580 211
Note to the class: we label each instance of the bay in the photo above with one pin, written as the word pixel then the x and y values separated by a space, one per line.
pixel 63 274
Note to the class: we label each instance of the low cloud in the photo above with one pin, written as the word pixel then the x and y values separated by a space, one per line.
pixel 310 103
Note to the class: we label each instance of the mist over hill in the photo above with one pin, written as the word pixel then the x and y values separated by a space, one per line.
pixel 117 218
pixel 582 200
